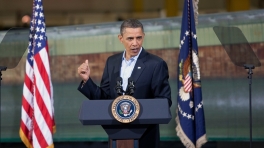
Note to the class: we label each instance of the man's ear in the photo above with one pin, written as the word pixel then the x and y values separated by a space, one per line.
pixel 120 37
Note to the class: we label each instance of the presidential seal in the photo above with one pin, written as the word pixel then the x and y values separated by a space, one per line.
pixel 125 109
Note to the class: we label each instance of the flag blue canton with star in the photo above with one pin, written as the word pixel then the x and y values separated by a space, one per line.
pixel 37 36
pixel 190 114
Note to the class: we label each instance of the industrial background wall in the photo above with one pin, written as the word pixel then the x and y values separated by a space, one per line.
pixel 61 12
pixel 224 85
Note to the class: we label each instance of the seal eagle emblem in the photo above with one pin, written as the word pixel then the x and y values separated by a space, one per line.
pixel 125 109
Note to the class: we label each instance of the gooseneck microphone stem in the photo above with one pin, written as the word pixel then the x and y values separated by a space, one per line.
pixel 119 88
pixel 131 87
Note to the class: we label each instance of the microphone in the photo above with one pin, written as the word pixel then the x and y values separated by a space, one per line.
pixel 119 89
pixel 131 86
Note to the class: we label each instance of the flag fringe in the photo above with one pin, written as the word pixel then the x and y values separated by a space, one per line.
pixel 202 140
pixel 54 129
pixel 184 139
pixel 195 10
pixel 51 146
pixel 24 139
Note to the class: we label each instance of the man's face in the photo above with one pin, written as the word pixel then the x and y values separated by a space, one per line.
pixel 132 39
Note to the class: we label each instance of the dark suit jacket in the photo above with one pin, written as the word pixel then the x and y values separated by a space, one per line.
pixel 150 76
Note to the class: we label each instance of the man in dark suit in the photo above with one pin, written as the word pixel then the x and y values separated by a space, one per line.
pixel 149 73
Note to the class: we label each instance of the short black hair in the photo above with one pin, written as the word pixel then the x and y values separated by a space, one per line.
pixel 131 23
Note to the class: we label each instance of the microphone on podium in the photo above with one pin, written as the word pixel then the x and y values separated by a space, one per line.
pixel 119 89
pixel 131 86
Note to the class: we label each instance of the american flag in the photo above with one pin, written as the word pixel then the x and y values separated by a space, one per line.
pixel 37 115
pixel 190 113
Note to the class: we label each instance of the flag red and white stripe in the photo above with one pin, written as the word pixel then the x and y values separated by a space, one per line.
pixel 187 83
pixel 37 114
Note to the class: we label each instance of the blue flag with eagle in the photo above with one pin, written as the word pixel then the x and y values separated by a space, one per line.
pixel 190 114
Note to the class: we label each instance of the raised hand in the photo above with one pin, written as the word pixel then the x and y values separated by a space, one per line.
pixel 84 71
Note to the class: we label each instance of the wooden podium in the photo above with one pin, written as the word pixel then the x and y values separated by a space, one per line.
pixel 124 135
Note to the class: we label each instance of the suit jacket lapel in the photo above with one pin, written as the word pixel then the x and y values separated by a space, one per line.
pixel 117 66
pixel 140 66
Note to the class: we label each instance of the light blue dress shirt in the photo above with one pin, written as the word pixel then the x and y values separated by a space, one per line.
pixel 127 68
